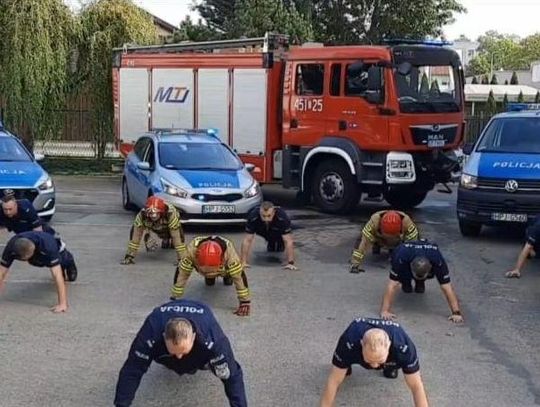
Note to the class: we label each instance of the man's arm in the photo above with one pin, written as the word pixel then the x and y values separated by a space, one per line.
pixel 453 303
pixel 289 251
pixel 183 272
pixel 137 232
pixel 226 368
pixel 522 259
pixel 388 299
pixel 3 276
pixel 410 231
pixel 61 289
pixel 136 365
pixel 178 243
pixel 245 249
pixel 336 377
pixel 414 382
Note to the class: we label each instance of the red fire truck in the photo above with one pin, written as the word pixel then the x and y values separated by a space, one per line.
pixel 336 122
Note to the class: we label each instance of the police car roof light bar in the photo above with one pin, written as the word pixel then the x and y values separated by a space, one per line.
pixel 179 131
pixel 400 41
pixel 520 107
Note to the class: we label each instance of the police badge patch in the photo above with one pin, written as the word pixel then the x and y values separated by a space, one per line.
pixel 222 371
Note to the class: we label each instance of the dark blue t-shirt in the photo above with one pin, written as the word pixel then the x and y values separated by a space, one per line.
pixel 402 353
pixel 280 224
pixel 210 350
pixel 406 252
pixel 46 253
pixel 533 235
pixel 26 219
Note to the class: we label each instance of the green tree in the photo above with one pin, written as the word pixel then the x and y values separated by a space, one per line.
pixel 189 31
pixel 537 97
pixel 474 81
pixel 514 79
pixel 494 80
pixel 218 14
pixel 485 80
pixel 424 84
pixel 36 42
pixel 253 18
pixel 479 65
pixel 505 101
pixel 521 98
pixel 435 87
pixel 506 81
pixel 491 105
pixel 107 24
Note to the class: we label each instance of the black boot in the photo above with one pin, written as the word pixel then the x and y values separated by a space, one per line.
pixel 376 249
pixel 166 244
pixel 69 268
pixel 406 287
pixel 227 280
pixel 390 373
pixel 210 281
pixel 349 371
pixel 277 245
pixel 419 286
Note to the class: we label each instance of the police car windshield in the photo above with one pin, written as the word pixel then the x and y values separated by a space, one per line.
pixel 12 150
pixel 197 156
pixel 512 135
pixel 429 89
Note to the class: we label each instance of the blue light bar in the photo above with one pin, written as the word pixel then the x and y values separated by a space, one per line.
pixel 436 43
pixel 519 107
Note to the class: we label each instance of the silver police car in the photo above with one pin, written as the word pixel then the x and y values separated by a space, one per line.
pixel 193 170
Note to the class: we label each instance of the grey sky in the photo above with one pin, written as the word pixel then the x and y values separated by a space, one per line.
pixel 507 16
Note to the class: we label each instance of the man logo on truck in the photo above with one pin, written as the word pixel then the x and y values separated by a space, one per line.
pixel 173 94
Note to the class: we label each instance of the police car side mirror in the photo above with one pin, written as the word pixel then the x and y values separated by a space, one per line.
pixel 143 165
pixel 250 167
pixel 39 157
pixel 468 148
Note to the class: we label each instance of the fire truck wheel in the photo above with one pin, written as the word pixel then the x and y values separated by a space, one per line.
pixel 126 201
pixel 401 200
pixel 334 188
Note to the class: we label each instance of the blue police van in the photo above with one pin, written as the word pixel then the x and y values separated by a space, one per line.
pixel 20 172
pixel 500 182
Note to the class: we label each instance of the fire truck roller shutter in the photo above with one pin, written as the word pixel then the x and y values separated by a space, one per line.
pixel 172 98
pixel 249 111
pixel 331 172
pixel 133 103
pixel 213 101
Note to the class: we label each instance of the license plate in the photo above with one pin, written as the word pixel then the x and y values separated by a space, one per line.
pixel 218 209
pixel 435 143
pixel 509 217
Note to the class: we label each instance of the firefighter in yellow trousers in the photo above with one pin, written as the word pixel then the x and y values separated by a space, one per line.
pixel 385 229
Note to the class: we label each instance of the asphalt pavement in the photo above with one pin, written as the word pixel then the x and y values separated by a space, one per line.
pixel 285 347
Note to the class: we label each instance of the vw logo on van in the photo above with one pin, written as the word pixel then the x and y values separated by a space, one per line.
pixel 511 185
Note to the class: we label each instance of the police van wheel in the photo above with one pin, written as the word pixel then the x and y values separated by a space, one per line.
pixel 404 200
pixel 469 229
pixel 210 281
pixel 334 188
pixel 126 200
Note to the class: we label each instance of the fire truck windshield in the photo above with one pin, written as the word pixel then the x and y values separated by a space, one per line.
pixel 429 89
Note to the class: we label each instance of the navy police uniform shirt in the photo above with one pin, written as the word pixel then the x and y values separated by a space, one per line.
pixel 279 226
pixel 533 235
pixel 26 219
pixel 406 252
pixel 211 350
pixel 46 253
pixel 402 353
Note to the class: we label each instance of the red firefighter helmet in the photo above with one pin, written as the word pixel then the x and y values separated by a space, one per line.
pixel 155 204
pixel 391 223
pixel 209 254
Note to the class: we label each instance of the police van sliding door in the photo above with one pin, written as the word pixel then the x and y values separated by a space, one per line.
pixel 133 103
pixel 172 99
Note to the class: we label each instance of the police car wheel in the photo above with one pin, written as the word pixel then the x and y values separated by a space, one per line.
pixel 334 188
pixel 126 200
pixel 469 229
pixel 210 281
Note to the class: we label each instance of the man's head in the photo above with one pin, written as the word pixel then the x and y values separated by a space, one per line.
pixel 24 248
pixel 420 267
pixel 391 223
pixel 9 204
pixel 155 208
pixel 267 211
pixel 375 347
pixel 179 337
pixel 209 257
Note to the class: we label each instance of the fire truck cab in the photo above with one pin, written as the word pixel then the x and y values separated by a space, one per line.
pixel 337 123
